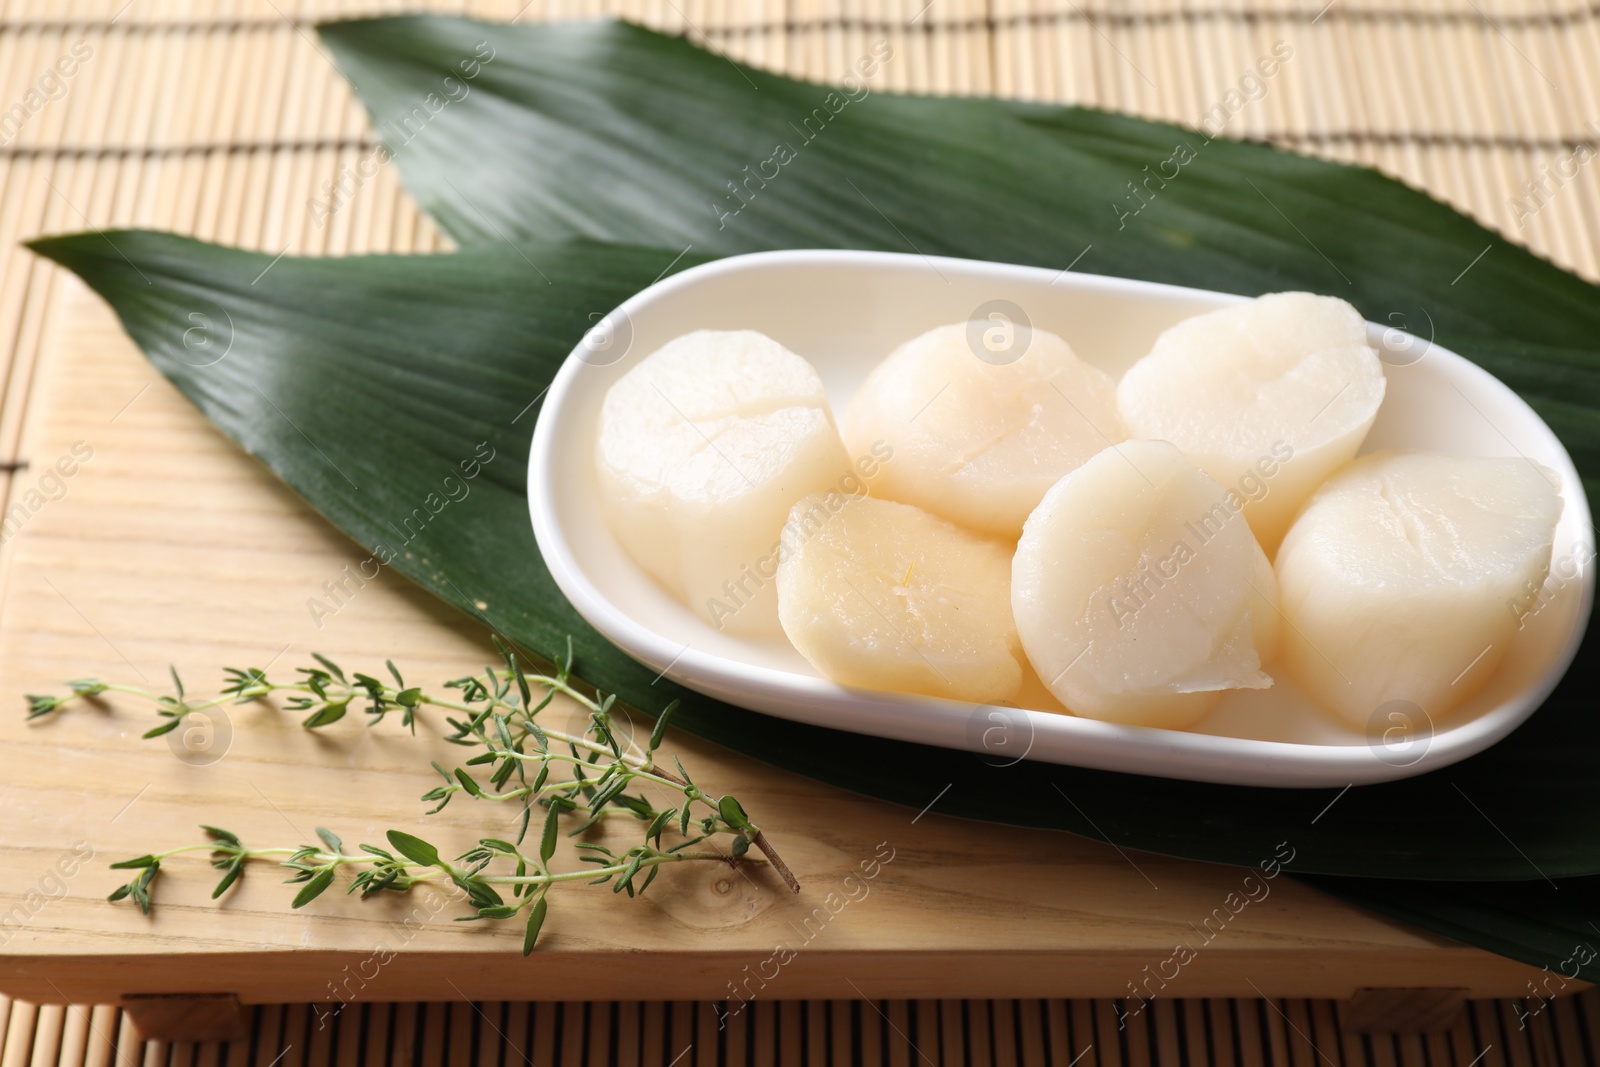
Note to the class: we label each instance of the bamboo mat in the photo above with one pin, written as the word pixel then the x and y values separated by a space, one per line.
pixel 1002 1033
pixel 224 120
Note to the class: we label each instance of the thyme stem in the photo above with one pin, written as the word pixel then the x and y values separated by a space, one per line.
pixel 559 773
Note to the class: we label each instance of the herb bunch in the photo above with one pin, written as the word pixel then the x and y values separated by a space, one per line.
pixel 573 776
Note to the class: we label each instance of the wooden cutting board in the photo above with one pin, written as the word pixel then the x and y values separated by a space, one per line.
pixel 167 545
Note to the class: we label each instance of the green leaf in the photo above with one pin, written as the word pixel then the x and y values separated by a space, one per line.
pixel 514 667
pixel 230 876
pixel 40 705
pixel 607 792
pixel 319 881
pixel 138 889
pixel 732 813
pixel 636 804
pixel 332 667
pixel 481 893
pixel 592 820
pixel 1538 924
pixel 414 848
pixel 166 727
pixel 977 178
pixel 330 839
pixel 660 730
pixel 625 879
pixel 681 772
pixel 134 864
pixel 547 840
pixel 468 783
pixel 221 836
pixel 502 773
pixel 536 914
pixel 326 715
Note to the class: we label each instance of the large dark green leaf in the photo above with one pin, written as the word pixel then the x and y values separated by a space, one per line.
pixel 611 131
pixel 1548 924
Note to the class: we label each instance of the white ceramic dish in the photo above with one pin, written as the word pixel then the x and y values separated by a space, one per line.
pixel 844 311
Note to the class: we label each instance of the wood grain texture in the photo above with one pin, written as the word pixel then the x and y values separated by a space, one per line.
pixel 187 1017
pixel 1401 1011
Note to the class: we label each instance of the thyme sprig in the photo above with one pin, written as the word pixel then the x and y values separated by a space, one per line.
pixel 586 775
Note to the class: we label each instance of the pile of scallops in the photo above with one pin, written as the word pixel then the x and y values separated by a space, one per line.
pixel 1141 547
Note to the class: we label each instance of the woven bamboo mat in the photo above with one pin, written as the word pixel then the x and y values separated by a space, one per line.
pixel 224 120
pixel 1001 1033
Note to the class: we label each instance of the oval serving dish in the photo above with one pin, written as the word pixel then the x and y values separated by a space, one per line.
pixel 844 311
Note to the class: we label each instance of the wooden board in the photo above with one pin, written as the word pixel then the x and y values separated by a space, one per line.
pixel 168 545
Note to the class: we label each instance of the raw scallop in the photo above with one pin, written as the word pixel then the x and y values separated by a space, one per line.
pixel 1407 574
pixel 980 435
pixel 1139 592
pixel 703 448
pixel 1268 397
pixel 886 596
